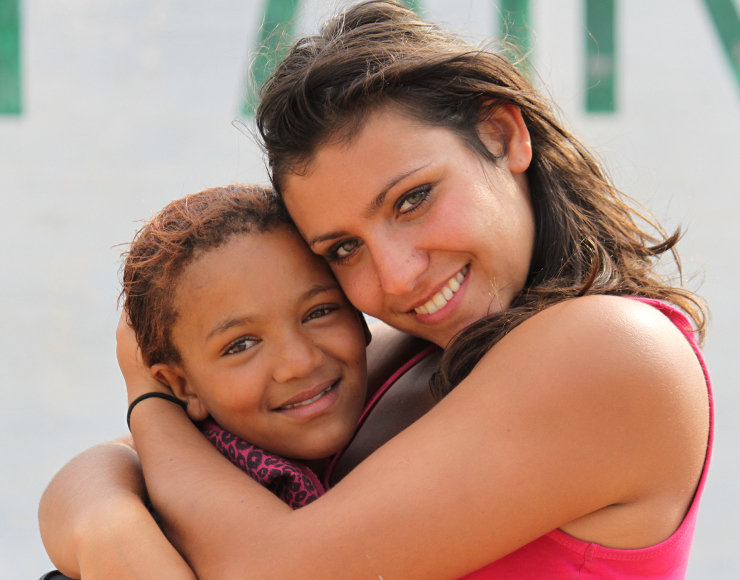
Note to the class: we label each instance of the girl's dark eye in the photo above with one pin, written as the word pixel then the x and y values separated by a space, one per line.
pixel 240 345
pixel 320 312
pixel 413 200
pixel 342 251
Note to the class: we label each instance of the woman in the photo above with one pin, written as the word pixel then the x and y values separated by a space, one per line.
pixel 575 428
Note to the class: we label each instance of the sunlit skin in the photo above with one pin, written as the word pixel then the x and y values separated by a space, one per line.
pixel 263 329
pixel 405 209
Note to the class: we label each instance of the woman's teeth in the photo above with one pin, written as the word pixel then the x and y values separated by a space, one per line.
pixel 308 401
pixel 441 298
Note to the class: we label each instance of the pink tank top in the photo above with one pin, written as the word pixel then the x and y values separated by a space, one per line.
pixel 558 555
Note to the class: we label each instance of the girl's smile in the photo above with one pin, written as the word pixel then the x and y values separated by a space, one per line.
pixel 303 406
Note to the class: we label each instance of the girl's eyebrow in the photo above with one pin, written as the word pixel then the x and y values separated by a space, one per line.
pixel 227 324
pixel 232 322
pixel 319 289
pixel 372 208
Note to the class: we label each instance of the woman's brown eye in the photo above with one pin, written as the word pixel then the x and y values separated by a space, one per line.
pixel 342 251
pixel 346 247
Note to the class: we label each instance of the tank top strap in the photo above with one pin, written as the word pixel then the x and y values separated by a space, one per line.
pixel 371 404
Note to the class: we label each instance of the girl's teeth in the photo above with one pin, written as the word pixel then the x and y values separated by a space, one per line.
pixel 440 299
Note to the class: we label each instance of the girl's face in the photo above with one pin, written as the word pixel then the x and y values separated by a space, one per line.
pixel 420 231
pixel 270 346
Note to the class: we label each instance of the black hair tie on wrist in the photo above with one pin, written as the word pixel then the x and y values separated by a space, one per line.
pixel 156 395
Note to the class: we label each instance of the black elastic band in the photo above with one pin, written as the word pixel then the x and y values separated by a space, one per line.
pixel 153 394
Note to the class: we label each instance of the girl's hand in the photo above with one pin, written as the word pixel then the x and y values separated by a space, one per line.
pixel 138 376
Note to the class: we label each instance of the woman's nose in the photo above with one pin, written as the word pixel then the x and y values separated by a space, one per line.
pixel 296 356
pixel 398 265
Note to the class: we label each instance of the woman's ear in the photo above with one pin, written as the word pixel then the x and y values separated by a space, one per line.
pixel 505 134
pixel 176 379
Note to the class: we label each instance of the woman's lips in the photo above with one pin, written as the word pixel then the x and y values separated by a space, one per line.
pixel 441 298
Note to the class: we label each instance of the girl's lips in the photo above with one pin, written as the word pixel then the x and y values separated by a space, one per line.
pixel 312 402
pixel 441 298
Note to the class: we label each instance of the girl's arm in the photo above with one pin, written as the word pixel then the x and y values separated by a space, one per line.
pixel 590 416
pixel 94 523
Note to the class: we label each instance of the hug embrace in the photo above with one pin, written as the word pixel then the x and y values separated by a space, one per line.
pixel 533 402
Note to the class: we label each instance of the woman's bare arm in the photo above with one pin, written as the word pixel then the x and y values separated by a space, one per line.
pixel 94 523
pixel 590 416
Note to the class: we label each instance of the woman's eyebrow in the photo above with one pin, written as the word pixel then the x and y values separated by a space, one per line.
pixel 327 237
pixel 373 207
pixel 377 202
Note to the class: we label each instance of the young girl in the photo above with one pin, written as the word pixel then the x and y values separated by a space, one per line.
pixel 250 331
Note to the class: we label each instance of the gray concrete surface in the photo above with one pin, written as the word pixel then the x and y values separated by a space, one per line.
pixel 128 104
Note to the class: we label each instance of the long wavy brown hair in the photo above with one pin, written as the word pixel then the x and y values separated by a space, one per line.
pixel 590 238
pixel 183 230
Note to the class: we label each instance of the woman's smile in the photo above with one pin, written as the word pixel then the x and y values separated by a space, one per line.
pixel 443 297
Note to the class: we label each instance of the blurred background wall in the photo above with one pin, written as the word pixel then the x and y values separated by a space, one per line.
pixel 110 109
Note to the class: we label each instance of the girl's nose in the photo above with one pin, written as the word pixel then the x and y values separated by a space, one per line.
pixel 297 356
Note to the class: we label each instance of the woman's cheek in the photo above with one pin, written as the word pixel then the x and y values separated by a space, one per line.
pixel 358 296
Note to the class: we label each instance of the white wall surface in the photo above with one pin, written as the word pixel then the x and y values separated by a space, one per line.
pixel 128 104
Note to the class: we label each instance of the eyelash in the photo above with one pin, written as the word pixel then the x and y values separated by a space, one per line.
pixel 231 349
pixel 332 257
pixel 324 310
pixel 423 193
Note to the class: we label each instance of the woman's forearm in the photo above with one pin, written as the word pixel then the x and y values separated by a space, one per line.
pixel 94 522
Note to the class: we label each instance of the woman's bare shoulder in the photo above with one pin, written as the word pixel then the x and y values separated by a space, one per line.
pixel 610 327
pixel 613 378
pixel 608 340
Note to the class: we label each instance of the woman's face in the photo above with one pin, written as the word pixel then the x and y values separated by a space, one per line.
pixel 420 231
